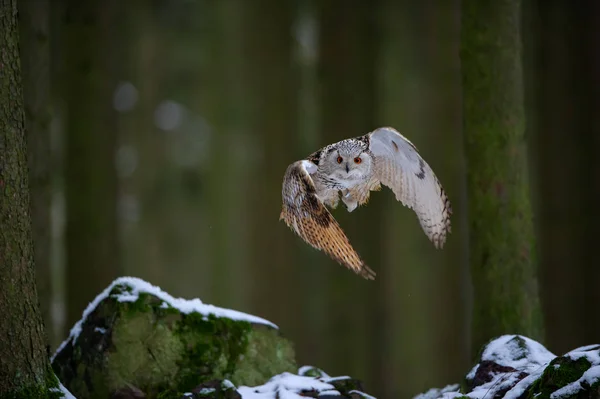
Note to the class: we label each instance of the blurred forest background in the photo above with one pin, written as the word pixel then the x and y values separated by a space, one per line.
pixel 170 125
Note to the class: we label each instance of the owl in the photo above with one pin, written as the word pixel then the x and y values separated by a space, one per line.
pixel 348 171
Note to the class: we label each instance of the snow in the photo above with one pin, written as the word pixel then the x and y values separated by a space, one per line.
pixel 227 384
pixel 435 393
pixel 500 381
pixel 521 386
pixel 362 394
pixel 590 376
pixel 507 351
pixel 345 377
pixel 139 286
pixel 61 388
pixel 305 369
pixel 516 351
pixel 592 354
pixel 282 386
pixel 285 386
pixel 331 392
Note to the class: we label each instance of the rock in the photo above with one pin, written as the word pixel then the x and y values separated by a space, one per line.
pixel 135 335
pixel 215 389
pixel 435 393
pixel 516 367
pixel 310 382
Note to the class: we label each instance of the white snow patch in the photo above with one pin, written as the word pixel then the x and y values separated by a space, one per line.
pixel 471 374
pixel 305 369
pixel 590 376
pixel 507 351
pixel 227 384
pixel 138 286
pixel 499 382
pixel 100 330
pixel 518 352
pixel 344 377
pixel 435 393
pixel 331 392
pixel 286 386
pixel 515 351
pixel 521 386
pixel 590 352
pixel 364 395
pixel 65 392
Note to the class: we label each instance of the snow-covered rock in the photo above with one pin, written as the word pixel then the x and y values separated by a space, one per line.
pixel 309 382
pixel 516 367
pixel 135 341
pixel 133 335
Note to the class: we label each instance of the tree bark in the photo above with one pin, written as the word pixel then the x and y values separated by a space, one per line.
pixel 91 180
pixel 35 57
pixel 502 250
pixel 24 365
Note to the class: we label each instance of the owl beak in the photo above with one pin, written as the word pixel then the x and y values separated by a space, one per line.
pixel 347 168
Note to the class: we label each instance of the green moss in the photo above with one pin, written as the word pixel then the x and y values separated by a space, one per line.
pixel 212 346
pixel 47 390
pixel 164 352
pixel 313 372
pixel 560 372
pixel 152 352
pixel 345 385
pixel 266 354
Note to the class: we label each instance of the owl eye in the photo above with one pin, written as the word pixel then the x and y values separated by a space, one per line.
pixel 357 160
pixel 339 159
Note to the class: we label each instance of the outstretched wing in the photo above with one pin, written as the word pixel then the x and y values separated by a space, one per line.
pixel 304 213
pixel 399 166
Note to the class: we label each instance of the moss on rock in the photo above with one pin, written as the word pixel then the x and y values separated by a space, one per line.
pixel 559 373
pixel 518 367
pixel 145 338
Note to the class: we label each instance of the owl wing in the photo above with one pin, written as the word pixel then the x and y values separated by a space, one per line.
pixel 304 213
pixel 399 166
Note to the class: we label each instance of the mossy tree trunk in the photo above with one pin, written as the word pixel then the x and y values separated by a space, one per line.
pixel 24 365
pixel 502 244
pixel 92 248
pixel 35 57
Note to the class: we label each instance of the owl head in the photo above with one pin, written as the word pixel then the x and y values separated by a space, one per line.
pixel 348 160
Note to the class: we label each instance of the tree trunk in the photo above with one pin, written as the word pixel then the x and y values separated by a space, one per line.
pixel 24 367
pixel 91 179
pixel 35 56
pixel 502 256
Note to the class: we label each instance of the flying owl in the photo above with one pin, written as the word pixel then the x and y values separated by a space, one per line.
pixel 349 170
